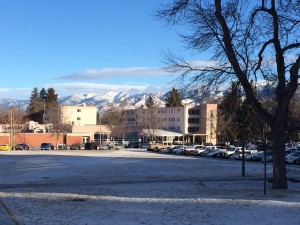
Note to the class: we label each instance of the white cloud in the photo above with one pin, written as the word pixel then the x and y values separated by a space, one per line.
pixel 65 89
pixel 109 73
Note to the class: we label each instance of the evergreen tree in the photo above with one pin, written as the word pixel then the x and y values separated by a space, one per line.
pixel 35 107
pixel 228 109
pixel 35 102
pixel 43 95
pixel 150 102
pixel 51 100
pixel 173 99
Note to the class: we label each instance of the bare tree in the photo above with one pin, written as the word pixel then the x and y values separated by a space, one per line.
pixel 13 118
pixel 114 118
pixel 151 123
pixel 57 122
pixel 251 41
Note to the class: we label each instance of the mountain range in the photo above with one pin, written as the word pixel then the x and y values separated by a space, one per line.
pixel 115 98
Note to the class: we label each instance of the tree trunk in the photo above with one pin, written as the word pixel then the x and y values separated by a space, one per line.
pixel 279 165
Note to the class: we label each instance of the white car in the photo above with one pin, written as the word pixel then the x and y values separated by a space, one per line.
pixel 293 158
pixel 199 150
pixel 191 148
pixel 228 152
pixel 255 156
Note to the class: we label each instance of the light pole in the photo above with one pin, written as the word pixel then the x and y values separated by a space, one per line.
pixel 11 128
pixel 100 140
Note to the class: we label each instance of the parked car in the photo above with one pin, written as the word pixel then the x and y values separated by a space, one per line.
pixel 21 146
pixel 199 150
pixel 216 153
pixel 5 147
pixel 117 146
pixel 62 146
pixel 293 158
pixel 47 146
pixel 75 147
pixel 228 152
pixel 208 149
pixel 170 149
pixel 90 146
pixel 103 147
pixel 189 150
pixel 269 156
pixel 255 156
pixel 179 150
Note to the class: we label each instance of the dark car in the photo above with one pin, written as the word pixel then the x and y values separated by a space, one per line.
pixel 47 146
pixel 62 146
pixel 75 147
pixel 90 146
pixel 21 146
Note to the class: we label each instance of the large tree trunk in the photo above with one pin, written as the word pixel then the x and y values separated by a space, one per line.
pixel 279 165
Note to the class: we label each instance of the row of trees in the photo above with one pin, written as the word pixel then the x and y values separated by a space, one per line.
pixel 234 112
pixel 39 102
pixel 249 42
pixel 43 107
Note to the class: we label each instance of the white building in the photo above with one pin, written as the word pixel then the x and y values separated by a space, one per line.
pixel 197 124
pixel 80 115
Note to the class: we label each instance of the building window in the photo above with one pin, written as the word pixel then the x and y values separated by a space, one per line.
pixel 104 136
pixel 78 110
pixel 193 120
pixel 194 112
pixel 193 129
pixel 78 118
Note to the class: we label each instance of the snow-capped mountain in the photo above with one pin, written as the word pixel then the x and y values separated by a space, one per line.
pixel 131 100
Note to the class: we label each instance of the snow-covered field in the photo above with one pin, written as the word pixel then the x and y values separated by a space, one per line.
pixel 138 187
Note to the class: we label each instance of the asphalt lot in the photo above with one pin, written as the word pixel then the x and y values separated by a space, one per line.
pixel 133 186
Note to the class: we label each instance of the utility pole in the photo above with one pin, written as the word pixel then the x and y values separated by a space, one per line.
pixel 243 142
pixel 100 140
pixel 11 128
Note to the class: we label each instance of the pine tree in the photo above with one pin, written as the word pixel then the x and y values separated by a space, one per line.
pixel 229 113
pixel 35 107
pixel 43 95
pixel 173 99
pixel 35 102
pixel 51 100
pixel 150 102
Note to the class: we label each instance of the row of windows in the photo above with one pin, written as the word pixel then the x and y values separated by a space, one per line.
pixel 159 119
pixel 129 112
pixel 194 112
pixel 169 128
pixel 162 111
pixel 193 129
pixel 193 120
pixel 169 111
pixel 105 136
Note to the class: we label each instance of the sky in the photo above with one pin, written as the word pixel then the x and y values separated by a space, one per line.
pixel 84 46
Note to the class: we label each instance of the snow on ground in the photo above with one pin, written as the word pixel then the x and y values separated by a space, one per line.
pixel 139 187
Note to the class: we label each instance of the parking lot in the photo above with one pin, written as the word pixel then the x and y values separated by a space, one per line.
pixel 133 186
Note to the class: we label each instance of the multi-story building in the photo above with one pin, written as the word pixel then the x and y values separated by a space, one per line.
pixel 194 124
pixel 80 115
pixel 188 124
